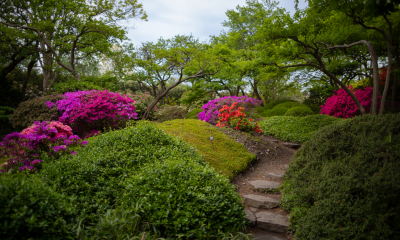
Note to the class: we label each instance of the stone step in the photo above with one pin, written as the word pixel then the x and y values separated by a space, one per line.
pixel 272 221
pixel 250 216
pixel 286 166
pixel 275 176
pixel 264 185
pixel 292 145
pixel 259 201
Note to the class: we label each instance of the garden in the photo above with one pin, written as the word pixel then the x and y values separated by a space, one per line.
pixel 154 145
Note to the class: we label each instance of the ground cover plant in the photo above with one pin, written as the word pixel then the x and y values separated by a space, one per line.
pixel 222 153
pixel 344 182
pixel 192 114
pixel 143 165
pixel 296 129
pixel 211 109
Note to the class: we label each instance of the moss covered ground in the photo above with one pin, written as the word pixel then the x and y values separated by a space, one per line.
pixel 223 153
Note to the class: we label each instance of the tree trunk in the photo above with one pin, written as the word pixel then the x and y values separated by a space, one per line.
pixel 396 75
pixel 389 69
pixel 30 67
pixel 255 90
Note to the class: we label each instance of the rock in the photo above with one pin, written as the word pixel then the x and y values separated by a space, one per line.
pixel 259 234
pixel 250 216
pixel 258 201
pixel 286 166
pixel 275 176
pixel 271 221
pixel 274 141
pixel 260 184
pixel 292 145
pixel 253 209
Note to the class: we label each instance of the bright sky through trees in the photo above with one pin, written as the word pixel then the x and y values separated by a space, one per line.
pixel 167 18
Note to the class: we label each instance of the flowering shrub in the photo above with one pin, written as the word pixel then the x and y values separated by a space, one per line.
pixel 341 105
pixel 52 138
pixel 211 109
pixel 237 119
pixel 383 73
pixel 91 111
pixel 143 101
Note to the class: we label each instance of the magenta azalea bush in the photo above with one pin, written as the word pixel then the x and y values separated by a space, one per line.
pixel 341 105
pixel 24 149
pixel 211 109
pixel 91 111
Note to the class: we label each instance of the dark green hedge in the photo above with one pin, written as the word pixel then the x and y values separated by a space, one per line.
pixel 300 111
pixel 345 184
pixel 30 209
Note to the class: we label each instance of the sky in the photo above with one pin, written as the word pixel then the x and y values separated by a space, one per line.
pixel 201 18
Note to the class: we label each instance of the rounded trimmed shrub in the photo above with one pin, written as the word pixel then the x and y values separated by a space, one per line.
pixel 274 112
pixel 30 209
pixel 287 105
pixel 344 183
pixel 193 113
pixel 34 110
pixel 272 104
pixel 144 164
pixel 300 111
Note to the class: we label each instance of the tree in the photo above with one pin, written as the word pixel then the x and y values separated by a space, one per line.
pixel 71 29
pixel 182 57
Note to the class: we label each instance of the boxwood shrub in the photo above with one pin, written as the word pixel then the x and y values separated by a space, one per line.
pixel 272 104
pixel 300 111
pixel 345 184
pixel 192 114
pixel 275 112
pixel 30 209
pixel 296 129
pixel 139 162
pixel 34 110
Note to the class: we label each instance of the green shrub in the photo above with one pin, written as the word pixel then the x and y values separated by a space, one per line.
pixel 295 129
pixel 345 182
pixel 34 110
pixel 315 108
pixel 185 196
pixel 73 86
pixel 168 113
pixel 274 112
pixel 193 113
pixel 112 164
pixel 272 104
pixel 30 209
pixel 223 153
pixel 288 105
pixel 300 111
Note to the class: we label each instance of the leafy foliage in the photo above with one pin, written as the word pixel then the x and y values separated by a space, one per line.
pixel 168 113
pixel 193 113
pixel 275 112
pixel 34 110
pixel 300 111
pixel 119 168
pixel 30 209
pixel 343 183
pixel 296 129
pixel 73 86
pixel 5 124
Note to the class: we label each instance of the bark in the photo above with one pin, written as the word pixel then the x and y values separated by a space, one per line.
pixel 374 60
pixel 181 79
pixel 9 68
pixel 30 67
pixel 396 75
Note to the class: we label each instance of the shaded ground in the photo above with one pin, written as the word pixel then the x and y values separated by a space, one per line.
pixel 272 155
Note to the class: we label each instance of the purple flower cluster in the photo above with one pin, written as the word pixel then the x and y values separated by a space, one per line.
pixel 91 111
pixel 211 109
pixel 24 148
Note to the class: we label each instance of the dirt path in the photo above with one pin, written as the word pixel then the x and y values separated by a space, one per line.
pixel 272 157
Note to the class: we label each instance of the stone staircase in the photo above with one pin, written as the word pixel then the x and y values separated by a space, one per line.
pixel 262 209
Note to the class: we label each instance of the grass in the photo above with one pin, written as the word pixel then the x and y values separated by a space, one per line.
pixel 224 154
pixel 296 129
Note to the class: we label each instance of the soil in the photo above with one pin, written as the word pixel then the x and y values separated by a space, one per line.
pixel 271 154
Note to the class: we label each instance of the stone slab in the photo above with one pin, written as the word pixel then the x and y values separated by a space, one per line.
pixel 259 201
pixel 259 234
pixel 286 166
pixel 250 216
pixel 275 176
pixel 272 221
pixel 260 184
pixel 292 145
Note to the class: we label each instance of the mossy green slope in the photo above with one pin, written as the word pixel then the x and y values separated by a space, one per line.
pixel 224 154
